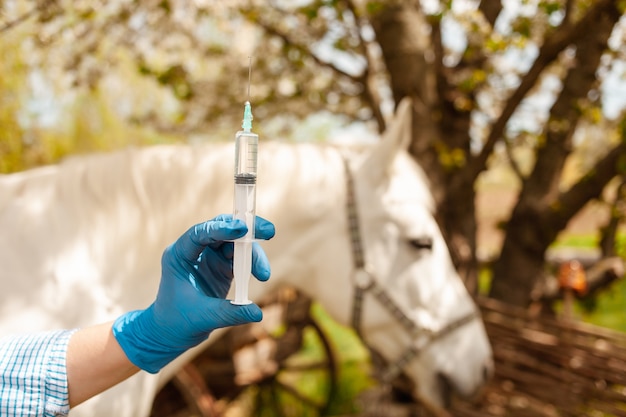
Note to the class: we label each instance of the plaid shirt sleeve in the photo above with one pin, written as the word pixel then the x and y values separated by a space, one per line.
pixel 33 379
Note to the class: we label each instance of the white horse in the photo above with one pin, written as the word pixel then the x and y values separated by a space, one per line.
pixel 81 242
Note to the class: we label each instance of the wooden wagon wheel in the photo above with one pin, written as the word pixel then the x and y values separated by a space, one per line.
pixel 185 396
pixel 303 384
pixel 284 366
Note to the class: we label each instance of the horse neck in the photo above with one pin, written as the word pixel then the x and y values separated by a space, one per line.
pixel 302 190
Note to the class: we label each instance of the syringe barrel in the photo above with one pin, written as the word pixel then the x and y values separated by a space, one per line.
pixel 246 147
pixel 246 144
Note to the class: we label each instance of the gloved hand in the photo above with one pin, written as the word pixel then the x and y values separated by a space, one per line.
pixel 197 271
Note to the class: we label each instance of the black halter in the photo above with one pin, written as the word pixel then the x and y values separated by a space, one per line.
pixel 365 282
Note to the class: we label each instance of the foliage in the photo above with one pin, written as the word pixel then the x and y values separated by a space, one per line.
pixel 86 123
pixel 607 310
pixel 12 147
pixel 488 78
pixel 355 373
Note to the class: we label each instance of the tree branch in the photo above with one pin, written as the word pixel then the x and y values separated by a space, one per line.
pixel 490 9
pixel 514 165
pixel 551 156
pixel 9 25
pixel 565 35
pixel 569 4
pixel 456 120
pixel 589 187
pixel 303 48
pixel 371 92
pixel 609 232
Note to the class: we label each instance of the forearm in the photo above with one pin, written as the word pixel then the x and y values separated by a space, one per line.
pixel 95 363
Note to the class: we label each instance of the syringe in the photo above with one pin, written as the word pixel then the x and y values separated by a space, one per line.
pixel 246 145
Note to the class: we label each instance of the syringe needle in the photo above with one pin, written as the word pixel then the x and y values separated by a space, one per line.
pixel 249 74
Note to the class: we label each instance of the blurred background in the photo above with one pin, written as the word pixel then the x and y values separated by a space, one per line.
pixel 519 119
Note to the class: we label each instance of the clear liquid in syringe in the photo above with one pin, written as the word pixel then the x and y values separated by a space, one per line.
pixel 246 144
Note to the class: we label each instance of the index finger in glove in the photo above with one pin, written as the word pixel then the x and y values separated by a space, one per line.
pixel 191 244
pixel 260 264
pixel 263 229
pixel 221 228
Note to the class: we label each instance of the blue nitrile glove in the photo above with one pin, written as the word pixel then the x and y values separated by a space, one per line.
pixel 197 271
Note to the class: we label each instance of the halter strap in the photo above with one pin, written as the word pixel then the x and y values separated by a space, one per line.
pixel 365 282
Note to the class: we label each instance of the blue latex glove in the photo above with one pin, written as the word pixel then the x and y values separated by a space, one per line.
pixel 197 271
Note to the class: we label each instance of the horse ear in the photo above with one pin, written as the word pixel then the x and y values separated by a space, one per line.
pixel 396 137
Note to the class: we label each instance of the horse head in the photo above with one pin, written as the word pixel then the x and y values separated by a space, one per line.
pixel 410 305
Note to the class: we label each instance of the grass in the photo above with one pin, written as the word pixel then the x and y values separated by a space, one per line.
pixel 354 368
pixel 607 308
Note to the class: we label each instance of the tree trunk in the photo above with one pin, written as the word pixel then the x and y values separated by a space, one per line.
pixel 457 217
pixel 401 32
pixel 457 209
pixel 440 130
pixel 542 212
pixel 608 233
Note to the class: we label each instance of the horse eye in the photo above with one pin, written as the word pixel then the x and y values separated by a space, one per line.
pixel 421 243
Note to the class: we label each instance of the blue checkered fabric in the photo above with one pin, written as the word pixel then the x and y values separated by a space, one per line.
pixel 33 379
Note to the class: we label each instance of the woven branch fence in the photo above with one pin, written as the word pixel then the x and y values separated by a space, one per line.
pixel 548 366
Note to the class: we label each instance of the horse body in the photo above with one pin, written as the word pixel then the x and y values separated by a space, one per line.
pixel 82 241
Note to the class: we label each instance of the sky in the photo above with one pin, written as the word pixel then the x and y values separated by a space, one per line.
pixel 47 107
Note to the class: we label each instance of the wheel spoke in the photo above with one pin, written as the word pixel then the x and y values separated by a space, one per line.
pixel 300 396
pixel 305 367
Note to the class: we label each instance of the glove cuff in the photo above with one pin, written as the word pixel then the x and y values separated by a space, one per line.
pixel 135 334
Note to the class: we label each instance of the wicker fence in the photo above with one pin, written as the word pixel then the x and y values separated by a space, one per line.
pixel 547 366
